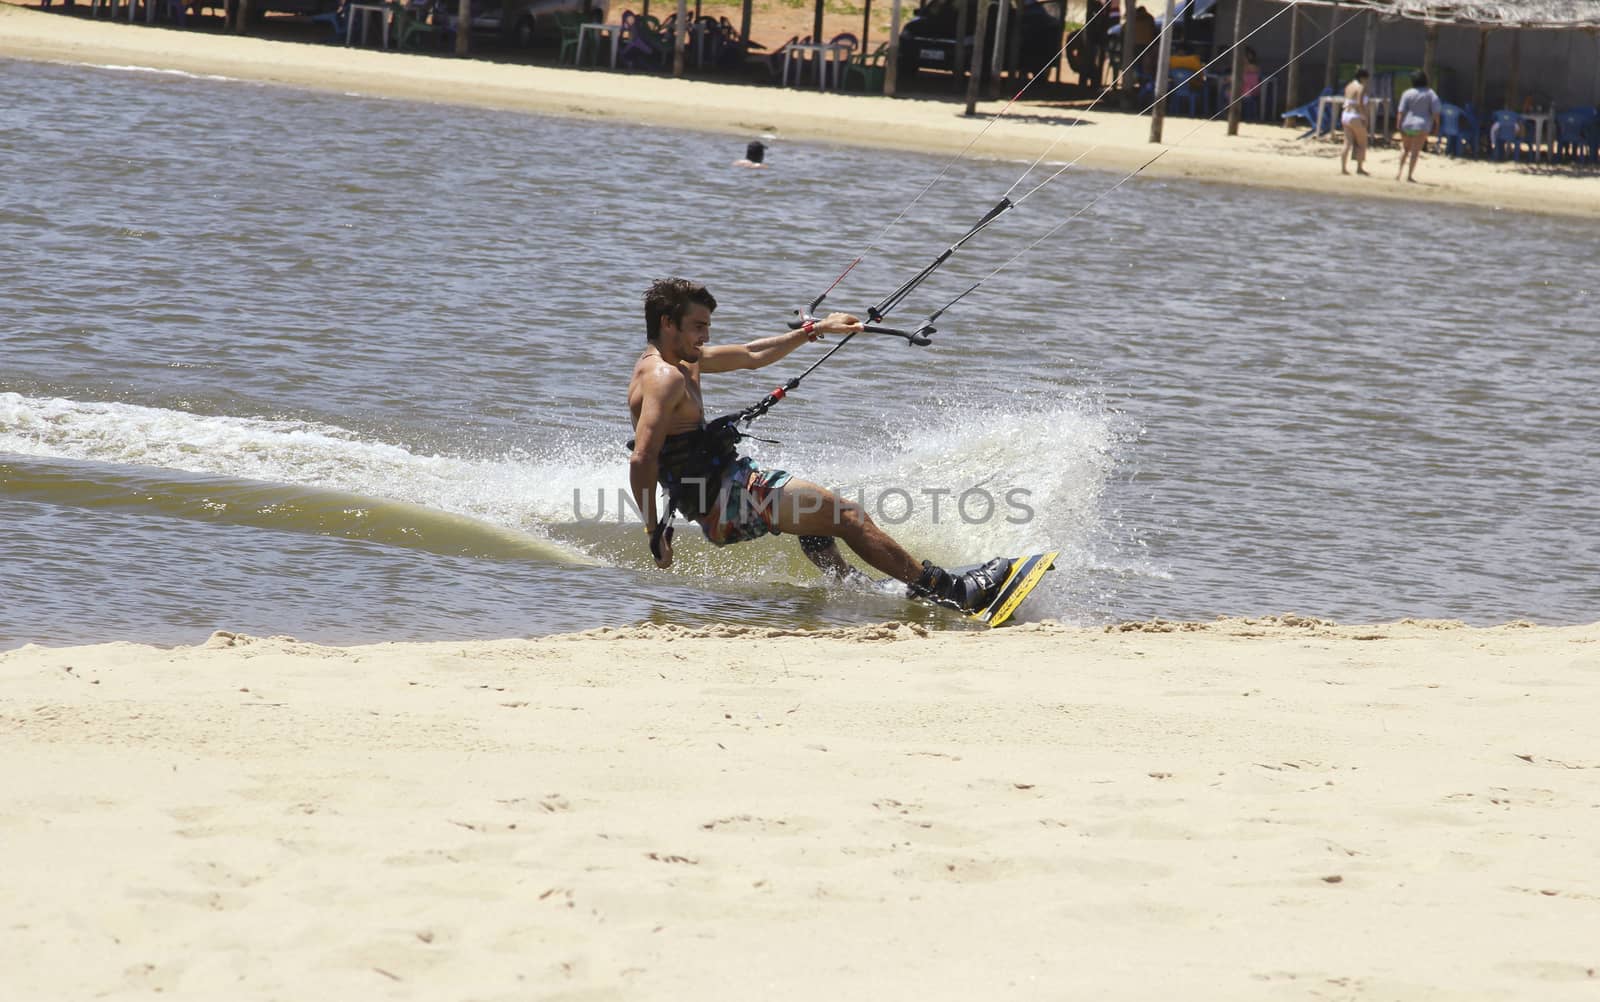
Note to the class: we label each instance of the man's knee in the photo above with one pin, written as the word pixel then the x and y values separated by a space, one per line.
pixel 814 546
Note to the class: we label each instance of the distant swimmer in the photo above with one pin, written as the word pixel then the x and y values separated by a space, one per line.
pixel 732 498
pixel 755 155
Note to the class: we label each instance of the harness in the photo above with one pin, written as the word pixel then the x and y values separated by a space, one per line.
pixel 692 464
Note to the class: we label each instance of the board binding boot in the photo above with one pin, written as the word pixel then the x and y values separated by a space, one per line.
pixel 969 591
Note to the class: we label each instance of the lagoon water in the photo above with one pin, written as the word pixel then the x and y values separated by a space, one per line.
pixel 351 369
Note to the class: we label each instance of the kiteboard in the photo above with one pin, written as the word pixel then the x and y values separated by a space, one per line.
pixel 1023 577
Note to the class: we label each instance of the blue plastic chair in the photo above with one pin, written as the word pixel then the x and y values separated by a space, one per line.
pixel 1180 93
pixel 1506 132
pixel 1458 130
pixel 1573 136
pixel 1310 112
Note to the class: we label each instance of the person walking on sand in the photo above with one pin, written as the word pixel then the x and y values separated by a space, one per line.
pixel 1354 122
pixel 732 498
pixel 1419 116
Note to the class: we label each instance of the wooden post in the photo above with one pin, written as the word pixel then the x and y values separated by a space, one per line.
pixel 679 32
pixel 866 24
pixel 1158 115
pixel 1331 68
pixel 1014 52
pixel 977 48
pixel 1236 84
pixel 744 24
pixel 1430 53
pixel 1369 43
pixel 816 32
pixel 891 65
pixel 961 32
pixel 1513 85
pixel 241 17
pixel 1291 73
pixel 997 63
pixel 1479 82
pixel 463 28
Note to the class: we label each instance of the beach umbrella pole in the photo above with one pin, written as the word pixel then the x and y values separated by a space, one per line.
pixel 1158 115
pixel 891 65
pixel 1235 98
pixel 1291 75
pixel 976 69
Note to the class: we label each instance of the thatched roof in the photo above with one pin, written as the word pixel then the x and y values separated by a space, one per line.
pixel 1488 13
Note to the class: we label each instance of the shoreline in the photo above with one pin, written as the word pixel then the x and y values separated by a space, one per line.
pixel 1264 155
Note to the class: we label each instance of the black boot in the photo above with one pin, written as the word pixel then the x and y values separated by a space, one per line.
pixel 969 591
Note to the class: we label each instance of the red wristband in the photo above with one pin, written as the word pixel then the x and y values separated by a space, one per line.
pixel 810 328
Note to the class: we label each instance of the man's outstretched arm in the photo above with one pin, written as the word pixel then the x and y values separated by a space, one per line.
pixel 765 351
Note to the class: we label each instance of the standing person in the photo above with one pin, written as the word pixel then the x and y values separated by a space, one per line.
pixel 1354 122
pixel 731 497
pixel 1419 115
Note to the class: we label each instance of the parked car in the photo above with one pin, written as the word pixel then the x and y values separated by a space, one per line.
pixel 1194 25
pixel 526 23
pixel 928 41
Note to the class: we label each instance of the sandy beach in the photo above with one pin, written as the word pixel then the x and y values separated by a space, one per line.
pixel 1263 154
pixel 1240 810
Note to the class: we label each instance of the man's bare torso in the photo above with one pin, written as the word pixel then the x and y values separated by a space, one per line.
pixel 688 411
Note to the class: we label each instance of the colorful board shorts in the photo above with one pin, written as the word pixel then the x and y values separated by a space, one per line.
pixel 745 504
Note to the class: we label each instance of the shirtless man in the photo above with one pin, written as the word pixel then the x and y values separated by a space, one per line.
pixel 731 497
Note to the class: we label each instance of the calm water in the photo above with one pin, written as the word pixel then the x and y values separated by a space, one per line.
pixel 351 369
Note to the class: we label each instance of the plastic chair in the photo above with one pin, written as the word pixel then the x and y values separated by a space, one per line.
pixel 647 45
pixel 1180 91
pixel 1458 130
pixel 869 68
pixel 1572 135
pixel 1319 115
pixel 825 64
pixel 1506 131
pixel 570 22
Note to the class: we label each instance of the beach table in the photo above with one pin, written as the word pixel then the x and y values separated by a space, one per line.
pixel 1377 114
pixel 362 13
pixel 821 53
pixel 1543 122
pixel 614 30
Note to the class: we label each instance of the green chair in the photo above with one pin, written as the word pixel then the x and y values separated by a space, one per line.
pixel 412 20
pixel 571 24
pixel 870 68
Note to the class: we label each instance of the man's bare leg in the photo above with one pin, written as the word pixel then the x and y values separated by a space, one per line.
pixel 824 552
pixel 803 508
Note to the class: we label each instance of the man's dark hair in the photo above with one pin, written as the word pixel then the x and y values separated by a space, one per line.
pixel 1419 79
pixel 1362 74
pixel 755 152
pixel 672 297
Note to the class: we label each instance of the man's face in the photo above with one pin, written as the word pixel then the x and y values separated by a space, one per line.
pixel 685 340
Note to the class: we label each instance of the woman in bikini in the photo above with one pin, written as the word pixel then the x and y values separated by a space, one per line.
pixel 1354 122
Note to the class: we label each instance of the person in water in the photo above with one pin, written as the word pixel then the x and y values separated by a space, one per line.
pixel 755 155
pixel 731 497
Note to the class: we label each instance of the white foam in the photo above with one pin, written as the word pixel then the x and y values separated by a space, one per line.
pixel 520 492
